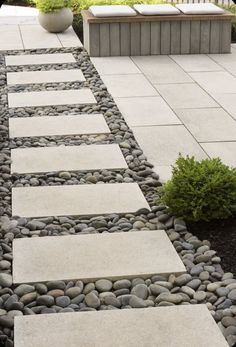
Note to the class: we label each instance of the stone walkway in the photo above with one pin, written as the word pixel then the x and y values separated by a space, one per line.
pixel 106 257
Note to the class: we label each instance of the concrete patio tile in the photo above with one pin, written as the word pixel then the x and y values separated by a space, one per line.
pixel 161 69
pixel 185 96
pixel 58 125
pixel 226 151
pixel 67 158
pixel 51 98
pixel 146 111
pixel 51 76
pixel 115 65
pixel 18 15
pixel 208 125
pixel 34 36
pixel 228 102
pixel 215 82
pixel 162 144
pixel 196 62
pixel 164 172
pixel 34 59
pixel 227 61
pixel 128 85
pixel 69 38
pixel 10 38
pixel 89 257
pixel 85 199
pixel 122 328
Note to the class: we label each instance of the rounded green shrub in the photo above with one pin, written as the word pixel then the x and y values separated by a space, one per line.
pixel 52 5
pixel 200 190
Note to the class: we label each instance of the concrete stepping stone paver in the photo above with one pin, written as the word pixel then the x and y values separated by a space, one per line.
pixel 226 151
pixel 67 158
pixel 86 199
pixel 39 59
pixel 215 82
pixel 90 257
pixel 58 125
pixel 51 98
pixel 10 37
pixel 177 326
pixel 115 65
pixel 207 125
pixel 146 111
pixel 185 95
pixel 196 62
pixel 52 76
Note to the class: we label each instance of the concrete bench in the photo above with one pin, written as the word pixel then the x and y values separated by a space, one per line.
pixel 154 35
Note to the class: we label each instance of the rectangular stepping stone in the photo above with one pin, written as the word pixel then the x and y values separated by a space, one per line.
pixel 51 98
pixel 173 326
pixel 35 59
pixel 52 76
pixel 82 200
pixel 58 125
pixel 67 158
pixel 89 257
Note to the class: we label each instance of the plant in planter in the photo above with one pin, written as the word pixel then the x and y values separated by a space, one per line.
pixel 54 15
pixel 201 190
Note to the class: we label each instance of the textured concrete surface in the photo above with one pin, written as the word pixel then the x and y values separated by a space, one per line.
pixel 58 125
pixel 39 59
pixel 177 326
pixel 67 158
pixel 83 199
pixel 89 257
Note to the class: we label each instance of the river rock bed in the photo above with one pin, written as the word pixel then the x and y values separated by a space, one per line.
pixel 204 282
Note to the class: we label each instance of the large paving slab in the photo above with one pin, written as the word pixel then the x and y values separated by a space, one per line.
pixel 147 110
pixel 67 158
pixel 161 69
pixel 215 82
pixel 115 65
pixel 51 76
pixel 228 61
pixel 129 85
pixel 196 62
pixel 185 95
pixel 69 39
pixel 18 15
pixel 226 151
pixel 34 36
pixel 40 59
pixel 51 98
pixel 58 125
pixel 89 257
pixel 174 326
pixel 228 102
pixel 10 37
pixel 83 199
pixel 209 125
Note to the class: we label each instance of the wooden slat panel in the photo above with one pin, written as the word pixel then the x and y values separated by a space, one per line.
pixel 226 37
pixel 195 37
pixel 94 40
pixel 205 37
pixel 145 38
pixel 104 40
pixel 175 37
pixel 165 37
pixel 135 38
pixel 185 37
pixel 114 39
pixel 215 40
pixel 155 38
pixel 125 39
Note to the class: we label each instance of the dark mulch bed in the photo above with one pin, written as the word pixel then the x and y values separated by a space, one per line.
pixel 222 235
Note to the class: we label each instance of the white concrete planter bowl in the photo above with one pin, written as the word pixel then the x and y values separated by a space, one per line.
pixel 56 21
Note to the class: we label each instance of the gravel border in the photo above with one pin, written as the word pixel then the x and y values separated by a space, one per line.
pixel 204 282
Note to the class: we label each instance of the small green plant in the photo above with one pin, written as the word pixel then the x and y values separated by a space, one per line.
pixel 200 190
pixel 52 5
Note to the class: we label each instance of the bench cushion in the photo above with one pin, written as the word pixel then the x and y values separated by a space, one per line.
pixel 152 10
pixel 206 8
pixel 112 11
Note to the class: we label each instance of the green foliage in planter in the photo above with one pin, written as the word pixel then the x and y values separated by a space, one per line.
pixel 52 5
pixel 200 190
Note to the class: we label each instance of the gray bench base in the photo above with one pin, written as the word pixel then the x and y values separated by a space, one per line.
pixel 144 35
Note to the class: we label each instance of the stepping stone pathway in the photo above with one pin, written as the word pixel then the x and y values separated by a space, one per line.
pixel 67 158
pixel 90 257
pixel 58 125
pixel 51 98
pixel 76 200
pixel 176 326
pixel 39 59
pixel 53 76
